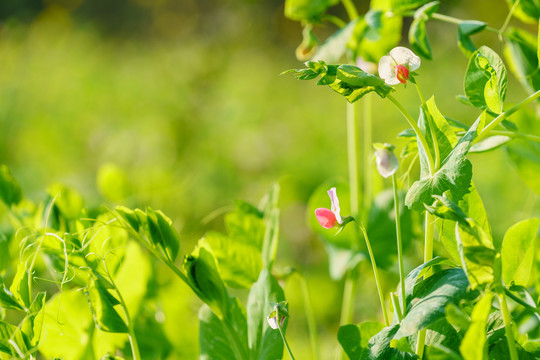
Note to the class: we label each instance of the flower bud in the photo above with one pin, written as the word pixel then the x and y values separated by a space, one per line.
pixel 387 161
pixel 278 312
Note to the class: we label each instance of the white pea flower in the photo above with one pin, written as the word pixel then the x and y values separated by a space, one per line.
pixel 278 312
pixel 395 67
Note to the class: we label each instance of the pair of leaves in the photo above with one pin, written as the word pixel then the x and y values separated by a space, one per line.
pixel 347 80
pixel 486 81
pixel 156 227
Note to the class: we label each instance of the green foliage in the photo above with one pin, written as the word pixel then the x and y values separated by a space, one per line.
pixel 355 338
pixel 521 52
pixel 473 345
pixel 485 80
pixel 102 304
pixel 307 10
pixel 10 190
pixel 527 11
pixel 347 80
pixel 518 252
pixel 465 30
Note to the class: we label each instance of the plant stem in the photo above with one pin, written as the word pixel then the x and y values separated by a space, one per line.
pixel 334 20
pixel 284 340
pixel 417 130
pixel 352 154
pixel 349 293
pixel 376 274
pixel 350 8
pixel 428 255
pixel 397 307
pixel 508 326
pixel 367 132
pixel 399 247
pixel 507 20
pixel 506 114
pixel 310 316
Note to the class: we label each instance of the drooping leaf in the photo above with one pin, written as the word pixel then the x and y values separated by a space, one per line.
pixel 10 190
pixel 354 339
pixel 518 252
pixel 430 298
pixel 490 143
pixel 485 80
pixel 203 275
pixel 215 336
pixel 417 32
pixel 102 304
pixel 308 10
pixel 264 342
pixel 473 345
pixel 465 30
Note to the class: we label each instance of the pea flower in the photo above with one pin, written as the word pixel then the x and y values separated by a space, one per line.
pixel 278 312
pixel 387 162
pixel 328 218
pixel 395 67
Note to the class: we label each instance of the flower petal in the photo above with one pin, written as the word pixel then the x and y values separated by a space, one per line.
pixel 387 162
pixel 387 70
pixel 335 204
pixel 405 57
pixel 326 218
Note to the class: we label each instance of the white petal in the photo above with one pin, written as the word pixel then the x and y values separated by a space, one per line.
pixel 335 204
pixel 406 57
pixel 387 162
pixel 387 69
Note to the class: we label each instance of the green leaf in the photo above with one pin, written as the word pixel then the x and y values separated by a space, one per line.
pixel 473 345
pixel 527 11
pixel 19 286
pixel 430 298
pixel 33 322
pixel 10 190
pixel 485 80
pixel 355 338
pixel 417 32
pixel 380 346
pixel 7 299
pixel 347 80
pixel 308 10
pixel 239 263
pixel 246 225
pixel 102 304
pixel 401 6
pixel 439 352
pixel 412 277
pixel 521 52
pixel 215 335
pixel 454 174
pixel 162 233
pixel 264 342
pixel 68 327
pixel 456 317
pixel 490 143
pixel 518 252
pixel 129 216
pixel 465 30
pixel 203 275
pixel 67 200
pixel 11 333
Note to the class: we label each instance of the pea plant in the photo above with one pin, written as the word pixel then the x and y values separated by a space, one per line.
pixel 80 282
pixel 472 301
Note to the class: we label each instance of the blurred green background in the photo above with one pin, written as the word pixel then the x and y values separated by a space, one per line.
pixel 181 104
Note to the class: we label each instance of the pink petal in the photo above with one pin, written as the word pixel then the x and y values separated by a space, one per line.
pixel 326 218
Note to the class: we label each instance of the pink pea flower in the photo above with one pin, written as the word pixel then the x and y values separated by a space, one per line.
pixel 329 218
pixel 395 67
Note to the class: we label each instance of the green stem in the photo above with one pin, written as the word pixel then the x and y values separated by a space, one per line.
pixel 352 154
pixel 453 20
pixel 399 247
pixel 508 326
pixel 428 255
pixel 420 343
pixel 284 340
pixel 349 293
pixel 417 130
pixel 367 132
pixel 376 274
pixel 310 316
pixel 507 20
pixel 397 307
pixel 350 8
pixel 488 128
pixel 334 20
